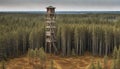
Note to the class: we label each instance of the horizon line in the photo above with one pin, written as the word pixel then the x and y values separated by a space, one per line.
pixel 63 11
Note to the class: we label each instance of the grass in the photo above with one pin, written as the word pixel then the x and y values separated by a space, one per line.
pixel 81 62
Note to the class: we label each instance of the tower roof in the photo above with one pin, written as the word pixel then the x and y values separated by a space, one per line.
pixel 51 7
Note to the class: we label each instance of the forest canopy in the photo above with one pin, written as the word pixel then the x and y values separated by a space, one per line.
pixel 95 33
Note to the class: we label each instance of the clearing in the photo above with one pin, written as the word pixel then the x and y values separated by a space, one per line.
pixel 81 62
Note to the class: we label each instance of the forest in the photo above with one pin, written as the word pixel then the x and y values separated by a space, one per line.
pixel 98 34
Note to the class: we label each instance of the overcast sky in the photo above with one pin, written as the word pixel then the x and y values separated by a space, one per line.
pixel 61 5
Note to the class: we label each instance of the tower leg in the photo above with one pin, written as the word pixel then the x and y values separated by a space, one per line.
pixel 50 49
pixel 45 47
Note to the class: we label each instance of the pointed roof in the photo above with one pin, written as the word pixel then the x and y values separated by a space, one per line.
pixel 51 7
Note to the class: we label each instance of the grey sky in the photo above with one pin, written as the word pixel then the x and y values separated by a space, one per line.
pixel 61 5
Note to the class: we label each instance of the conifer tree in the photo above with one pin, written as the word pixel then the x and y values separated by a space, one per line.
pixel 3 65
pixel 113 66
pixel 76 38
pixel 52 65
pixel 63 35
pixel 98 65
pixel 105 62
pixel 42 57
pixel 92 66
pixel 118 60
pixel 73 52
pixel 114 53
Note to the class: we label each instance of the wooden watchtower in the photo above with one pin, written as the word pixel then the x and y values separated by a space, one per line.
pixel 50 31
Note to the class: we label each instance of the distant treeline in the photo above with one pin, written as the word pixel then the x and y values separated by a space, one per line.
pixel 97 33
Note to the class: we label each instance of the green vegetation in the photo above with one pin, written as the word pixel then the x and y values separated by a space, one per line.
pixel 35 55
pixel 116 59
pixel 20 32
pixel 92 66
pixel 52 64
pixel 2 65
pixel 76 34
pixel 99 66
pixel 105 62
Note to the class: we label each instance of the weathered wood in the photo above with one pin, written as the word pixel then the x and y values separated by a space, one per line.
pixel 50 31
